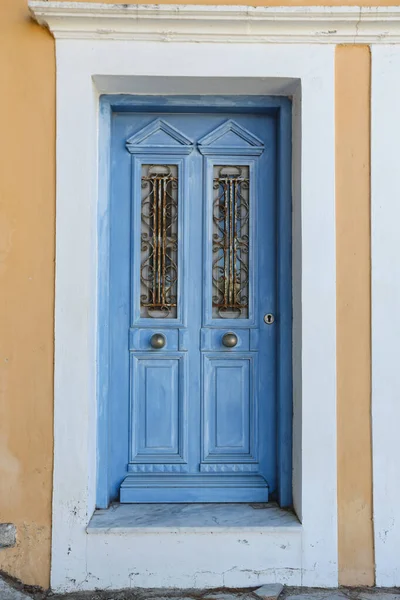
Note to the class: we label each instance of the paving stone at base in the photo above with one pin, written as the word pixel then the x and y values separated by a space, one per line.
pixel 270 591
pixel 9 593
pixel 329 594
pixel 266 592
pixel 378 595
pixel 172 598
pixel 224 596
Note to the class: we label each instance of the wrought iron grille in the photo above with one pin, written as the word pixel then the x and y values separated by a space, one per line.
pixel 230 244
pixel 159 241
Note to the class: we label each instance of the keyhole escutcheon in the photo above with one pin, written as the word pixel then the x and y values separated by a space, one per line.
pixel 269 318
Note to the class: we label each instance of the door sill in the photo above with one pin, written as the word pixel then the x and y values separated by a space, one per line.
pixel 168 488
pixel 192 518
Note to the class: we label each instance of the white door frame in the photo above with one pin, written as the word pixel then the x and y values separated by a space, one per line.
pixel 87 68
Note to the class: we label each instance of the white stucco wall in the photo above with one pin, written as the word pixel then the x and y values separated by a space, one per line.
pixel 385 258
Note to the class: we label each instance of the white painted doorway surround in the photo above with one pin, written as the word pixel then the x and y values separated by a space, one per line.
pixel 150 50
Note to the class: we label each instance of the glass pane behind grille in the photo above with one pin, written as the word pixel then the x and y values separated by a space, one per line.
pixel 159 242
pixel 230 244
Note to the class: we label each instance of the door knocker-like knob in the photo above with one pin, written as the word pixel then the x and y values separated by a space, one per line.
pixel 157 341
pixel 229 340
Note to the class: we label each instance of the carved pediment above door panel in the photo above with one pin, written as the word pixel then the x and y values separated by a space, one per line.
pixel 159 137
pixel 230 138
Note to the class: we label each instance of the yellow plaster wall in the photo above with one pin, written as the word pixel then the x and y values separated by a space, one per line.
pixel 356 552
pixel 27 210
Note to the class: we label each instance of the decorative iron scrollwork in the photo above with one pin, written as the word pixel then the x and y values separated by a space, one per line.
pixel 230 244
pixel 159 241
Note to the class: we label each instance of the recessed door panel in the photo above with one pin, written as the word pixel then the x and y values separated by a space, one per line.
pixel 229 418
pixel 158 419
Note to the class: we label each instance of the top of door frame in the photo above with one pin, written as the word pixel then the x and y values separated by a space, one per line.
pixel 193 103
pixel 199 23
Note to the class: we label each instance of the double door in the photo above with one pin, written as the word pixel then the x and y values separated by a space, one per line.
pixel 200 374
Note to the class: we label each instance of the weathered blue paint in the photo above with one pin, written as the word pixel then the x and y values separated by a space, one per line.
pixel 230 415
pixel 158 407
pixel 284 303
pixel 103 463
pixel 184 423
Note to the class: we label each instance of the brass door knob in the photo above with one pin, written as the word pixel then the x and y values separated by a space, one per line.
pixel 157 341
pixel 229 340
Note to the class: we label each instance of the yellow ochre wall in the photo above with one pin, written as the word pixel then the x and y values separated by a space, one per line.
pixel 27 212
pixel 27 231
pixel 353 295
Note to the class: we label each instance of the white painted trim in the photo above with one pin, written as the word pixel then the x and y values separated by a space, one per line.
pixel 308 556
pixel 180 22
pixel 385 250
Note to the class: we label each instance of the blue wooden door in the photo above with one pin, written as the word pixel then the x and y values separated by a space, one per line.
pixel 196 264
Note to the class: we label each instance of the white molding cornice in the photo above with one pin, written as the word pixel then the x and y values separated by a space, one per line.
pixel 196 23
